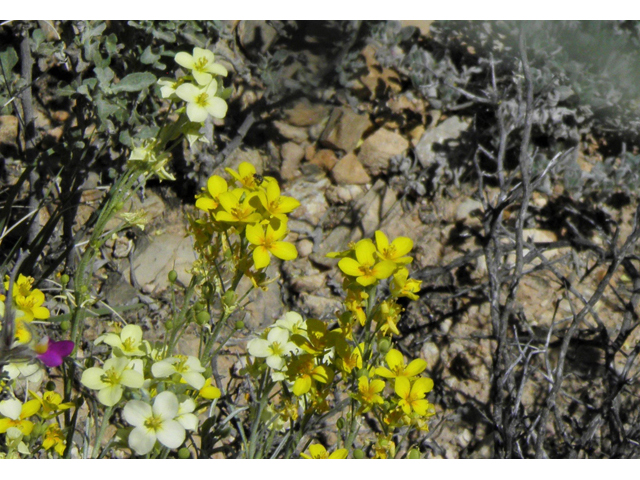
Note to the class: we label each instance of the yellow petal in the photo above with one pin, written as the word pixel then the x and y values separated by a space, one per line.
pixel 255 234
pixel 284 250
pixel 416 367
pixel 394 359
pixel 206 204
pixel 216 185
pixel 402 387
pixel 261 258
pixel 383 269
pixel 382 242
pixel 365 253
pixel 350 267
pixel 302 385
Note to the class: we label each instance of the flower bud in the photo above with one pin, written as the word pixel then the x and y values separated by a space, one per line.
pixel 414 454
pixel 384 345
pixel 239 325
pixel 50 386
pixel 172 276
pixel 340 423
pixel 64 280
pixel 202 317
pixel 168 325
pixel 184 453
pixel 65 325
pixel 358 454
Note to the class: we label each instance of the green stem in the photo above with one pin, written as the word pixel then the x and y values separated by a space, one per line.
pixel 103 426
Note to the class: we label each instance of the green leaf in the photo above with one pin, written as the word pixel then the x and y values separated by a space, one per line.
pixel 148 57
pixel 104 75
pixel 8 59
pixel 134 82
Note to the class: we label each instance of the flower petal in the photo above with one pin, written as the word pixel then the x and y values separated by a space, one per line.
pixel 350 267
pixel 142 440
pixel 284 250
pixel 171 434
pixel 166 405
pixel 92 378
pixel 110 395
pixel 136 412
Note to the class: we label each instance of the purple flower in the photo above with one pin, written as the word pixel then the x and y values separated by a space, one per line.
pixel 51 353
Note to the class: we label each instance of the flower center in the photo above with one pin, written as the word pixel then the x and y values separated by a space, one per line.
pixel 153 423
pixel 129 345
pixel 277 349
pixel 111 377
pixel 202 100
pixel 201 64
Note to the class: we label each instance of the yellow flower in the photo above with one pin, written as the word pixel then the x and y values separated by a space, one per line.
pixel 275 204
pixel 403 286
pixel 16 413
pixel 388 315
pixel 397 367
pixel 51 403
pixel 246 175
pixel 209 200
pixel 208 391
pixel 395 251
pixel 368 392
pixel 365 268
pixel 412 396
pixel 305 371
pixel 267 241
pixel 349 359
pixel 317 451
pixel 31 306
pixel 54 437
pixel 235 210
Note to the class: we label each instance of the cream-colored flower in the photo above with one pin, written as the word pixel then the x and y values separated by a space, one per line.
pixel 201 64
pixel 111 378
pixel 202 101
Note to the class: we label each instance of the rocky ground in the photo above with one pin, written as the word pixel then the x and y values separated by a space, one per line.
pixel 341 162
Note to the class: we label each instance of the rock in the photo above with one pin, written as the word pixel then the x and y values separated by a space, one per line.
pixel 305 247
pixel 117 291
pixel 319 307
pixel 8 130
pixel 430 353
pixel 422 25
pixel 263 307
pixel 377 150
pixel 341 194
pixel 379 79
pixel 256 36
pixel 305 114
pixel 297 134
pixel 467 209
pixel 172 250
pixel 309 284
pixel 292 154
pixel 350 171
pixel 311 196
pixel 450 129
pixel 325 159
pixel 344 129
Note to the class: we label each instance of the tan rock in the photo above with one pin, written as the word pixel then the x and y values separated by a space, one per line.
pixel 325 159
pixel 305 114
pixel 350 171
pixel 292 154
pixel 304 247
pixel 377 150
pixel 297 134
pixel 344 129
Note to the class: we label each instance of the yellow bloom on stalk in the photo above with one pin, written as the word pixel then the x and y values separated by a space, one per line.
pixel 267 241
pixel 51 403
pixel 317 451
pixel 397 367
pixel 209 200
pixel 349 359
pixel 368 392
pixel 305 371
pixel 15 415
pixel 208 391
pixel 22 286
pixel 365 268
pixel 201 64
pixel 354 302
pixel 235 210
pixel 275 204
pixel 246 176
pixel 412 396
pixel 403 286
pixel 394 251
pixel 54 438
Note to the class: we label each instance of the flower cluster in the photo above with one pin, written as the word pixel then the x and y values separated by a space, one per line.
pixel 309 360
pixel 160 390
pixel 252 207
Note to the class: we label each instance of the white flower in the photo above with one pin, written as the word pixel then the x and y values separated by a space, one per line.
pixel 157 423
pixel 202 101
pixel 31 372
pixel 128 342
pixel 109 379
pixel 201 65
pixel 168 87
pixel 293 322
pixel 188 367
pixel 185 416
pixel 276 346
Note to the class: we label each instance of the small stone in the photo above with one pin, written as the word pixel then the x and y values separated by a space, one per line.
pixel 377 150
pixel 341 194
pixel 450 129
pixel 292 154
pixel 305 247
pixel 325 159
pixel 305 114
pixel 256 36
pixel 344 129
pixel 467 208
pixel 297 134
pixel 309 152
pixel 310 283
pixel 430 353
pixel 349 171
pixel 319 307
